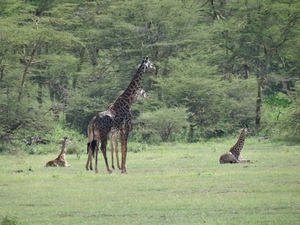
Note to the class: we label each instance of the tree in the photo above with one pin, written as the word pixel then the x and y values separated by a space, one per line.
pixel 61 62
pixel 166 121
pixel 215 106
pixel 254 36
pixel 25 62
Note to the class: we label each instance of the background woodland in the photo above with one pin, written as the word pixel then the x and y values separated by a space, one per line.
pixel 220 65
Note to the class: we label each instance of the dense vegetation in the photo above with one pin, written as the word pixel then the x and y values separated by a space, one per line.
pixel 220 65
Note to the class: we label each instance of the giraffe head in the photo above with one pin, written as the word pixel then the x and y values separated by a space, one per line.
pixel 64 139
pixel 247 129
pixel 146 64
pixel 141 93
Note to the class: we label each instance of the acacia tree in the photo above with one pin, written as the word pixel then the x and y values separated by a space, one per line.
pixel 215 106
pixel 120 35
pixel 28 42
pixel 80 55
pixel 255 35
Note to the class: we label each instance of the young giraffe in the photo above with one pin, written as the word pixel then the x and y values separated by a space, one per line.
pixel 113 136
pixel 234 154
pixel 61 159
pixel 118 117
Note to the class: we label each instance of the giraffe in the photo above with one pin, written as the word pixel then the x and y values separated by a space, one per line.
pixel 61 159
pixel 113 135
pixel 234 154
pixel 118 117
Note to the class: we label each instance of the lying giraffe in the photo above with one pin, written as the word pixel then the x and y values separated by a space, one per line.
pixel 61 159
pixel 113 136
pixel 234 154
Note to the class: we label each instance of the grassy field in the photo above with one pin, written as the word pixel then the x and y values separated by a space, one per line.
pixel 167 184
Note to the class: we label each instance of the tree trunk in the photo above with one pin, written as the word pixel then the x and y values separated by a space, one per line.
pixel 26 67
pixel 258 105
pixel 260 85
pixel 40 94
pixel 192 132
pixel 79 66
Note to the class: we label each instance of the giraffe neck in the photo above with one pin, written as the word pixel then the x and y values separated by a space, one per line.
pixel 128 96
pixel 237 148
pixel 63 147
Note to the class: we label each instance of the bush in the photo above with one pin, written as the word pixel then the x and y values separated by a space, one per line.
pixel 166 121
pixel 9 221
pixel 290 124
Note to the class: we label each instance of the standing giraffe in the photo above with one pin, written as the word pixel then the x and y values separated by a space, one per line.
pixel 113 136
pixel 61 159
pixel 118 117
pixel 114 133
pixel 234 154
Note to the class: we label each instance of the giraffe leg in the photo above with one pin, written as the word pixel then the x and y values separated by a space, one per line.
pixel 244 161
pixel 91 161
pixel 88 159
pixel 90 150
pixel 111 137
pixel 117 152
pixel 103 149
pixel 96 158
pixel 87 162
pixel 124 137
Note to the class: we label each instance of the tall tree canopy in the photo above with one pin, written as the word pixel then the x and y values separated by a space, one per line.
pixel 228 63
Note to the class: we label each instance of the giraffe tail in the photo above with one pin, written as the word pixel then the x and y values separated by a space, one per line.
pixel 94 145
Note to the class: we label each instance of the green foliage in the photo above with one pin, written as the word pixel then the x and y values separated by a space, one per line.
pixel 62 62
pixel 137 147
pixel 275 107
pixel 290 123
pixel 281 114
pixel 280 101
pixel 166 121
pixel 229 108
pixel 10 221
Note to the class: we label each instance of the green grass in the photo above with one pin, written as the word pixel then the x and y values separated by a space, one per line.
pixel 167 184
